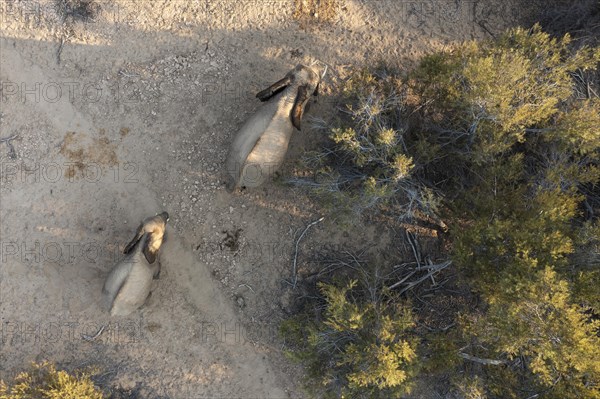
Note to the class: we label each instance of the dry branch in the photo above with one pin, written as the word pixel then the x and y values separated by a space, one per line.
pixel 91 338
pixel 294 266
pixel 433 270
pixel 414 244
pixel 491 362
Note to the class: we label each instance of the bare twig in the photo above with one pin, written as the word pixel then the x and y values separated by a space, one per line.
pixel 415 247
pixel 430 263
pixel 403 280
pixel 433 269
pixel 129 75
pixel 247 286
pixel 3 139
pixel 11 149
pixel 485 28
pixel 63 39
pixel 91 338
pixel 441 329
pixel 59 50
pixel 294 271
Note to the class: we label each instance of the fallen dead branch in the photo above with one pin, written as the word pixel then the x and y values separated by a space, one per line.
pixel 429 267
pixel 489 362
pixel 294 266
pixel 414 244
pixel 432 270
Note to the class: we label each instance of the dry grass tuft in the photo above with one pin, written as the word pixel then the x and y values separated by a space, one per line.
pixel 316 10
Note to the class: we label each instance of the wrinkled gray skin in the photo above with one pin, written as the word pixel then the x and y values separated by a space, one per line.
pixel 259 148
pixel 128 284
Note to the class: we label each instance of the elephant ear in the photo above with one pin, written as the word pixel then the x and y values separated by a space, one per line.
pixel 138 234
pixel 299 104
pixel 149 250
pixel 274 88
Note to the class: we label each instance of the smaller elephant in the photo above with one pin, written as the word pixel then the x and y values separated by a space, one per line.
pixel 128 284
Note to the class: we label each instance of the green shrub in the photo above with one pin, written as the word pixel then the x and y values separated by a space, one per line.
pixel 523 145
pixel 481 101
pixel 365 163
pixel 43 381
pixel 359 344
pixel 504 135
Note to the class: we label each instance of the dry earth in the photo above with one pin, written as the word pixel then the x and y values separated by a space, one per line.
pixel 126 109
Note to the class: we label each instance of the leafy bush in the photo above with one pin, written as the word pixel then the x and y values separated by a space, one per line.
pixel 365 164
pixel 43 381
pixel 509 134
pixel 523 144
pixel 359 346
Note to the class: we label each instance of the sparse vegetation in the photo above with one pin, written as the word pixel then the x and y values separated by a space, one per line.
pixel 44 381
pixel 498 140
pixel 366 164
pixel 316 10
pixel 356 338
pixel 507 134
pixel 580 18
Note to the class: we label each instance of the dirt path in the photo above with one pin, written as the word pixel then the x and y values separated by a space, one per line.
pixel 132 115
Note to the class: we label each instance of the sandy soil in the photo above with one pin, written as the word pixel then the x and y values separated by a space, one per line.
pixel 134 117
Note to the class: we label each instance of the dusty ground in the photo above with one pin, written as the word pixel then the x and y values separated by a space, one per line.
pixel 129 112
